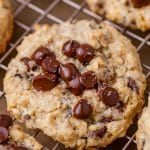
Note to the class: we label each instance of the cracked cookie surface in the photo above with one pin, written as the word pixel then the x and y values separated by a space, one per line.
pixel 130 13
pixel 58 110
pixel 6 24
pixel 143 134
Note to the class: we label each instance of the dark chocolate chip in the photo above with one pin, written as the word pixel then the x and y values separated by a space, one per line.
pixel 34 68
pixel 70 47
pixel 85 53
pixel 68 71
pixel 133 85
pixel 42 53
pixel 5 121
pixel 100 133
pixel 140 3
pixel 110 96
pixel 82 109
pixel 88 79
pixel 26 61
pixel 18 75
pixel 45 82
pixel 50 64
pixel 75 86
pixel 3 134
pixel 106 119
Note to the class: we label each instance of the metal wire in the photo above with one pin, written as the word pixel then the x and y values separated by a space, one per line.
pixel 79 8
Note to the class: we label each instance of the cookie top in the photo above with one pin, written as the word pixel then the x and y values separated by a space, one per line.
pixel 131 13
pixel 80 83
pixel 13 137
pixel 143 133
pixel 6 24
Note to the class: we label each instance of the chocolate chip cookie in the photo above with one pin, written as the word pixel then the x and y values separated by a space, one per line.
pixel 12 136
pixel 143 134
pixel 131 13
pixel 6 24
pixel 79 83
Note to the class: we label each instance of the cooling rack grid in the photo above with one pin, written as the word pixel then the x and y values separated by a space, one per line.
pixel 58 11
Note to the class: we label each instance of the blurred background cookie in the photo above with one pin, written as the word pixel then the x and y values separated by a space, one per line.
pixel 6 24
pixel 131 13
pixel 143 133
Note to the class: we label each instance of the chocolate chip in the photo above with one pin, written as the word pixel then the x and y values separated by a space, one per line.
pixel 18 75
pixel 100 133
pixel 85 53
pixel 50 64
pixel 140 3
pixel 75 86
pixel 82 109
pixel 133 85
pixel 45 82
pixel 34 68
pixel 69 48
pixel 68 71
pixel 42 53
pixel 5 121
pixel 3 134
pixel 110 96
pixel 26 61
pixel 106 119
pixel 88 79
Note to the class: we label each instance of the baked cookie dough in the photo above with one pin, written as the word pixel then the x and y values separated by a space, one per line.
pixel 6 24
pixel 81 83
pixel 131 13
pixel 143 133
pixel 12 136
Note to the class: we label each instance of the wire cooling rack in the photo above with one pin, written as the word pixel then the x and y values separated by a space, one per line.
pixel 27 13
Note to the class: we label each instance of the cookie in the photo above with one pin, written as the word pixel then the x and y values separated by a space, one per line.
pixel 130 13
pixel 79 83
pixel 143 133
pixel 13 137
pixel 6 24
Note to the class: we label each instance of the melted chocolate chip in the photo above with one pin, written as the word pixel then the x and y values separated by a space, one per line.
pixel 26 61
pixel 3 134
pixel 85 53
pixel 88 79
pixel 70 47
pixel 68 71
pixel 140 3
pixel 82 110
pixel 42 53
pixel 75 86
pixel 106 119
pixel 100 133
pixel 5 121
pixel 110 96
pixel 45 82
pixel 133 85
pixel 50 64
